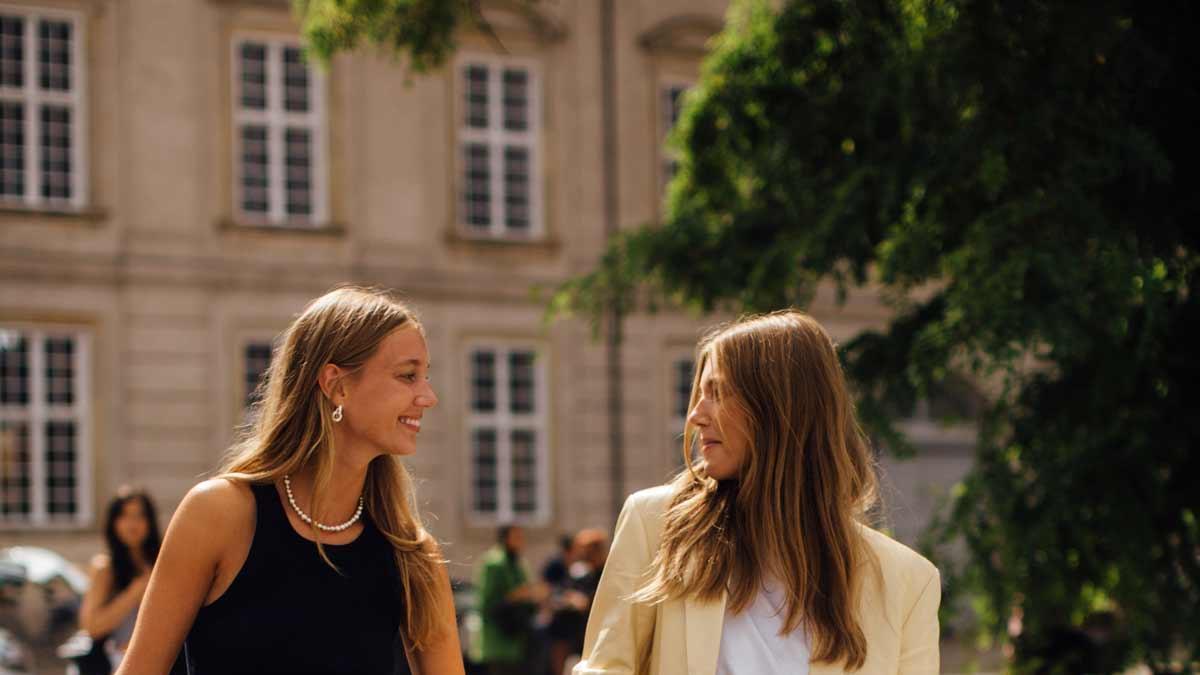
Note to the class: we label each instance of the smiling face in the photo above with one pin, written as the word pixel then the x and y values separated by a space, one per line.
pixel 384 401
pixel 721 423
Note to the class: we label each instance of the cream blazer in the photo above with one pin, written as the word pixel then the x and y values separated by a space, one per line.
pixel 683 637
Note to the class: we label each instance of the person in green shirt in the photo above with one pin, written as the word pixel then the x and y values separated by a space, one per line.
pixel 507 603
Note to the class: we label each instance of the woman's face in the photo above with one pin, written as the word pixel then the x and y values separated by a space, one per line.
pixel 724 437
pixel 386 399
pixel 131 524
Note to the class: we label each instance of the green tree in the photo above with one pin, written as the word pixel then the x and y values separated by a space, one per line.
pixel 1010 175
pixel 420 31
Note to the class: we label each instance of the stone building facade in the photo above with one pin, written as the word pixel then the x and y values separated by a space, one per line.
pixel 176 182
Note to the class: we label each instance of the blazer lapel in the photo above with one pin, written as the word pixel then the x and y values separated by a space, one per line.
pixel 702 623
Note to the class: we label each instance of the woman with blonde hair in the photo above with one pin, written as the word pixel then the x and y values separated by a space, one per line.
pixel 306 553
pixel 755 559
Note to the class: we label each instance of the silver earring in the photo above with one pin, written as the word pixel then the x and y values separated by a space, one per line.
pixel 337 414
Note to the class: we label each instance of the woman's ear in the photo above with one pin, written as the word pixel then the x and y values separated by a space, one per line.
pixel 331 381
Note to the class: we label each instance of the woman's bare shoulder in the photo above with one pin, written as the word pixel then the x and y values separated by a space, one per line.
pixel 100 562
pixel 219 501
pixel 100 568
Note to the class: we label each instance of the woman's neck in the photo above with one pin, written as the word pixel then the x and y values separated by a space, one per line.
pixel 341 496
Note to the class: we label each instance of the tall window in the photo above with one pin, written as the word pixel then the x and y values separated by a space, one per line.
pixel 680 377
pixel 507 435
pixel 256 357
pixel 41 109
pixel 500 183
pixel 44 472
pixel 279 120
pixel 670 103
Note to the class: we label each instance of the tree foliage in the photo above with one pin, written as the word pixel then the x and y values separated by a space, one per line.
pixel 1011 175
pixel 421 31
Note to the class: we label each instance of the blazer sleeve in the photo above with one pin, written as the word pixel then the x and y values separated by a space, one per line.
pixel 619 632
pixel 919 650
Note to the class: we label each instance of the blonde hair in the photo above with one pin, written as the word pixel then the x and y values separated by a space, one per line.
pixel 794 511
pixel 293 429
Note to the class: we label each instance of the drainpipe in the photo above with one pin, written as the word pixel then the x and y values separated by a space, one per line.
pixel 613 322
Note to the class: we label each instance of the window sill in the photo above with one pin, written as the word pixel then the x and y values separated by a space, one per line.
pixel 90 217
pixel 459 239
pixel 324 230
pixel 481 521
pixel 79 526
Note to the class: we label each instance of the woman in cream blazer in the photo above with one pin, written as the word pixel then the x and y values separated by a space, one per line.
pixel 643 622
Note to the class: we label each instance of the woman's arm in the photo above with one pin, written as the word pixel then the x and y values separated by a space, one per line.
pixel 619 632
pixel 101 614
pixel 919 650
pixel 443 654
pixel 207 523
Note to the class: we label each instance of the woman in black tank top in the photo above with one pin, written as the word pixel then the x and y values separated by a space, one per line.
pixel 247 629
pixel 306 554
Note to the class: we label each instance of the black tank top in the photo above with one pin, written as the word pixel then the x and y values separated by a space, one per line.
pixel 287 611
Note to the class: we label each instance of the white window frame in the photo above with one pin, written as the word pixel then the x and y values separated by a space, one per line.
pixel 675 423
pixel 244 343
pixel 665 154
pixel 496 138
pixel 277 120
pixel 33 98
pixel 504 421
pixel 921 428
pixel 38 412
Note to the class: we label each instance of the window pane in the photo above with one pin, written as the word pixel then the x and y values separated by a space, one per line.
pixel 520 379
pixel 516 99
pixel 684 373
pixel 295 80
pixel 256 359
pixel 476 94
pixel 14 368
pixel 524 470
pixel 516 188
pixel 477 192
pixel 61 464
pixel 298 157
pixel 672 103
pixel 12 51
pixel 254 76
pixel 12 149
pixel 54 55
pixel 60 371
pixel 15 473
pixel 670 168
pixel 56 152
pixel 483 461
pixel 483 381
pixel 255 158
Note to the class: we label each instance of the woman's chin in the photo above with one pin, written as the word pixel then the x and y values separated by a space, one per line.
pixel 401 450
pixel 716 471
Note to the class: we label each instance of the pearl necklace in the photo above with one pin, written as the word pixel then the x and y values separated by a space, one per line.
pixel 287 485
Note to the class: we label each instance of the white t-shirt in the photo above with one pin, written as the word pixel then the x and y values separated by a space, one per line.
pixel 751 643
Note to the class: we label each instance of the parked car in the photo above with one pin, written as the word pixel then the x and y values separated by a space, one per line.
pixel 15 657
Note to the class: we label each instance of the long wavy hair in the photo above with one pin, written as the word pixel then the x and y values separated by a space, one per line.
pixel 119 553
pixel 795 508
pixel 292 429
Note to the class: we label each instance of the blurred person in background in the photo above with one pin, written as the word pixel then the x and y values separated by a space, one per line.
pixel 118 578
pixel 554 572
pixel 590 553
pixel 552 632
pixel 756 559
pixel 508 601
pixel 306 553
